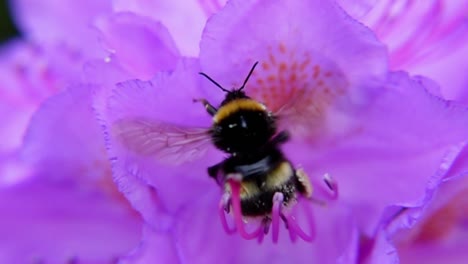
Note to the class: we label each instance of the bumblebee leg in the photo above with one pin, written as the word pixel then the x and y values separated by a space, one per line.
pixel 215 172
pixel 281 137
pixel 209 108
pixel 306 189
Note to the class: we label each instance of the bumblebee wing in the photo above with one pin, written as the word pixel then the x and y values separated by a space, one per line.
pixel 304 111
pixel 165 141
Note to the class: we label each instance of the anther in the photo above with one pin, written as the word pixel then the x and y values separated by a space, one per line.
pixel 223 207
pixel 332 186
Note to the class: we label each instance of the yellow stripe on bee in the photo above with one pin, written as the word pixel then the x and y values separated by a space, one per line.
pixel 236 105
pixel 248 189
pixel 280 175
pixel 276 178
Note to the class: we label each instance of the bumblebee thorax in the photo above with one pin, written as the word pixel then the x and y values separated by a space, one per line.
pixel 242 125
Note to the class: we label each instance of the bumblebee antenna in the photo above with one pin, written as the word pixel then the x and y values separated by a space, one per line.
pixel 248 76
pixel 213 81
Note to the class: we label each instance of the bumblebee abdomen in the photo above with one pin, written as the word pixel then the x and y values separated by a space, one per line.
pixel 257 193
pixel 261 204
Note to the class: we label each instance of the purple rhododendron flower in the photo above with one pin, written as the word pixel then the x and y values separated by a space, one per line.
pixel 382 150
pixel 59 203
pixel 365 126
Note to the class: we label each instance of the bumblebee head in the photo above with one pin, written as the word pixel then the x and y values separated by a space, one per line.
pixel 241 124
pixel 234 93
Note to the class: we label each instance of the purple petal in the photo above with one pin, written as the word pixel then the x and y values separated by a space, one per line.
pixel 176 16
pixel 145 253
pixel 62 223
pixel 61 22
pixel 57 144
pixel 159 100
pixel 199 238
pixel 139 44
pixel 435 232
pixel 393 151
pixel 235 38
pixel 29 74
pixel 432 43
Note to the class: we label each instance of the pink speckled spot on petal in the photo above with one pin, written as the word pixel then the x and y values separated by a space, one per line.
pixel 298 86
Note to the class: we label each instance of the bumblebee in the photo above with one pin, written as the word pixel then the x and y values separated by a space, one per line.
pixel 244 129
pixel 247 131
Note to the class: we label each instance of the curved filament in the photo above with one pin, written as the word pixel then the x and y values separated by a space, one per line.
pixel 296 230
pixel 221 210
pixel 332 191
pixel 237 212
pixel 278 199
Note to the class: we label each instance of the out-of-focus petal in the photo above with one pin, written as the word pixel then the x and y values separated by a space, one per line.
pixel 435 232
pixel 46 223
pixel 64 137
pixel 357 8
pixel 140 45
pixel 61 22
pixel 432 43
pixel 70 196
pixel 28 74
pixel 176 16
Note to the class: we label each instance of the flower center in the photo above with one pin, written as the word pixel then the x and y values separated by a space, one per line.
pixel 287 75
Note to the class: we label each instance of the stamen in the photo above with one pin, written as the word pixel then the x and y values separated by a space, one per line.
pixel 278 199
pixel 332 186
pixel 233 201
pixel 224 207
pixel 295 229
pixel 237 212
